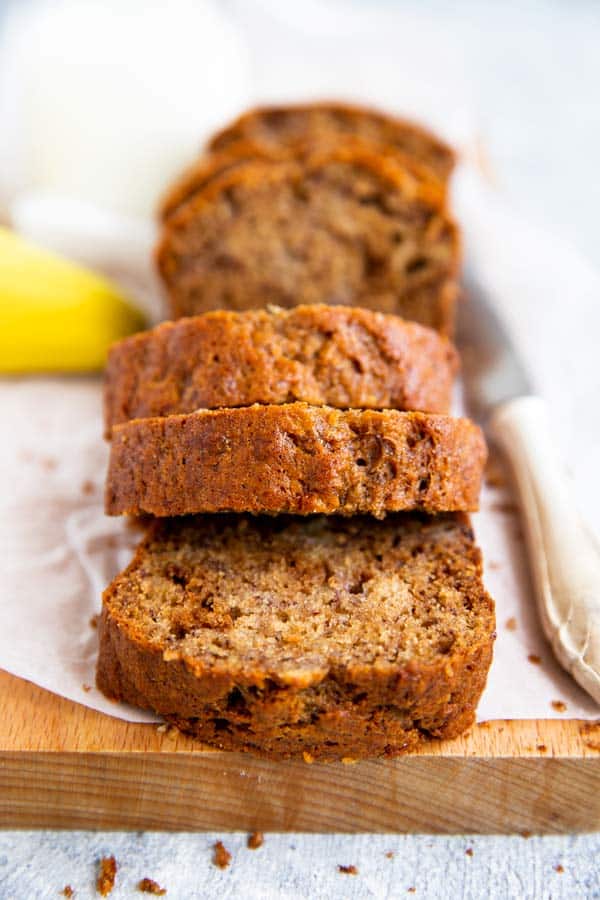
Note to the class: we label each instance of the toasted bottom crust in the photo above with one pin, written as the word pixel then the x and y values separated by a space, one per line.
pixel 346 730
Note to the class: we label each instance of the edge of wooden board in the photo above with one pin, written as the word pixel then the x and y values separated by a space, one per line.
pixel 63 765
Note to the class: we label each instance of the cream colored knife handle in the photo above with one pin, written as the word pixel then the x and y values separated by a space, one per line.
pixel 564 555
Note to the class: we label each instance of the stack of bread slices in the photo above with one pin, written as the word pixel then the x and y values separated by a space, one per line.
pixel 309 583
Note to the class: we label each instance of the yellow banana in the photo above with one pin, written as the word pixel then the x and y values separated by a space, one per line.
pixel 56 316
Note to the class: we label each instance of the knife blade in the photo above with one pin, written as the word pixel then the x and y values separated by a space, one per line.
pixel 493 372
pixel 564 555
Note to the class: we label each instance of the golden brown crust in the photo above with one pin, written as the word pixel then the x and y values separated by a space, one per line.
pixel 291 693
pixel 345 225
pixel 336 356
pixel 295 458
pixel 273 126
pixel 209 167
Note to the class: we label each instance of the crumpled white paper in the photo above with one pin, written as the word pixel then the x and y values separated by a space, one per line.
pixel 58 550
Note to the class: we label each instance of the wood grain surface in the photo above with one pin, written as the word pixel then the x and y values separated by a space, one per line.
pixel 65 766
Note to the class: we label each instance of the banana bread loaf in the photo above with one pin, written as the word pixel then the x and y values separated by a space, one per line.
pixel 294 458
pixel 326 122
pixel 334 355
pixel 323 636
pixel 346 226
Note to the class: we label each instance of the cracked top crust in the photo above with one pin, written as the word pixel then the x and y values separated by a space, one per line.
pixel 324 355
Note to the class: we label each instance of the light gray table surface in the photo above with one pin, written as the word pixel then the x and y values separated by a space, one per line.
pixel 536 77
pixel 304 866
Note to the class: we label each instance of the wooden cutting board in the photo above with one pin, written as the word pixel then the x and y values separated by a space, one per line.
pixel 65 766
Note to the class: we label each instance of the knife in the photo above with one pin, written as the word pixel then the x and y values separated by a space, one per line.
pixel 564 555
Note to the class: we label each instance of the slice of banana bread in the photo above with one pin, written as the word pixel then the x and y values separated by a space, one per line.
pixel 295 458
pixel 325 122
pixel 346 226
pixel 334 355
pixel 334 637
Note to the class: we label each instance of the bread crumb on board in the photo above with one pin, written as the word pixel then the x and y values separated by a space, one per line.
pixel 348 870
pixel 68 891
pixel 535 659
pixel 167 730
pixel 107 875
pixel 469 851
pixel 511 624
pixel 558 868
pixel 559 706
pixel 94 621
pixel 255 840
pixel 149 886
pixel 221 856
pixel 589 732
pixel 389 854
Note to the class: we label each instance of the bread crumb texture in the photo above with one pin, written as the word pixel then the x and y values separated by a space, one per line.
pixel 348 870
pixel 221 856
pixel 345 225
pixel 255 840
pixel 106 876
pixel 322 637
pixel 149 886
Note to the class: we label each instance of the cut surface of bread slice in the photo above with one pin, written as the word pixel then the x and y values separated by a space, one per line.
pixel 327 636
pixel 333 355
pixel 295 458
pixel 325 122
pixel 344 227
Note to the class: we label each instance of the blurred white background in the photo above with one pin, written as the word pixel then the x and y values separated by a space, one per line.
pixel 120 94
